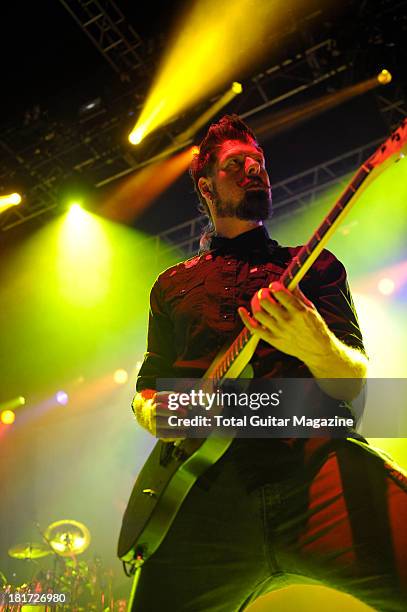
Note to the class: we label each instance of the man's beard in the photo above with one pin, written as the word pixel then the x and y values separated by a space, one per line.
pixel 255 206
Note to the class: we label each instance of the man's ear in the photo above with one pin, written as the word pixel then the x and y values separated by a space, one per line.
pixel 205 187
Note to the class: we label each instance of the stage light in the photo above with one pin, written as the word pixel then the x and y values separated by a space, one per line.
pixel 7 417
pixel 237 88
pixel 62 398
pixel 120 377
pixel 76 216
pixel 136 136
pixel 92 105
pixel 386 286
pixel 14 198
pixel 384 77
pixel 75 209
pixel 9 200
pixel 76 188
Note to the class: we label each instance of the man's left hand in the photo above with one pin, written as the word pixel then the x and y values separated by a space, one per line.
pixel 289 322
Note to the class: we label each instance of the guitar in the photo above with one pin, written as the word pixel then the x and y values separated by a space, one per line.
pixel 172 469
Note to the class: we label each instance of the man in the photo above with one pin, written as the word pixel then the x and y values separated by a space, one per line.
pixel 269 512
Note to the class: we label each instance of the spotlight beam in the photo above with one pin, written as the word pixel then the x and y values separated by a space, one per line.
pixel 234 90
pixel 151 160
pixel 140 189
pixel 232 37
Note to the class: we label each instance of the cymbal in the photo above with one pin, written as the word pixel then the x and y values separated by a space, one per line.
pixel 29 550
pixel 68 537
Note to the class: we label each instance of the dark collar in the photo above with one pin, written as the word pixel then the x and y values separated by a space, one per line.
pixel 256 239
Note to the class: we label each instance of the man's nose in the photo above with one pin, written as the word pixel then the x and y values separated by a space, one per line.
pixel 252 166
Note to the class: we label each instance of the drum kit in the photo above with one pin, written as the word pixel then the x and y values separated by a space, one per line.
pixel 86 585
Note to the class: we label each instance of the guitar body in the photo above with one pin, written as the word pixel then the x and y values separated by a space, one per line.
pixel 160 489
pixel 169 474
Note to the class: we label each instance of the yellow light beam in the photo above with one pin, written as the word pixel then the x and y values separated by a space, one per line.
pixel 234 90
pixel 84 259
pixel 213 43
pixel 9 200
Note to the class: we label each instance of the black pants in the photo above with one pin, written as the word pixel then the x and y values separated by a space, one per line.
pixel 340 520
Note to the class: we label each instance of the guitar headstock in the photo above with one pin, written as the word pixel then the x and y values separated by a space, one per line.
pixel 393 146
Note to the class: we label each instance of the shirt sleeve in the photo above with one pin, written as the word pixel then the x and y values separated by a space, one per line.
pixel 160 354
pixel 333 299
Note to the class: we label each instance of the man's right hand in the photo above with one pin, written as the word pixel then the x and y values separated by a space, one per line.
pixel 151 410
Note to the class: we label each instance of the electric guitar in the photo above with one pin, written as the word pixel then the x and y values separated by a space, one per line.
pixel 172 469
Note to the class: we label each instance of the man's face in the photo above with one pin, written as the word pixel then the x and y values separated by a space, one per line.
pixel 240 183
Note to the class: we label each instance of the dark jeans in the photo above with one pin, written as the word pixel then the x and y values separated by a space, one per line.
pixel 340 520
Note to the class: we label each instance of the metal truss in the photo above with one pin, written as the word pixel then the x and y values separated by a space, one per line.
pixel 295 193
pixel 306 188
pixel 316 65
pixel 38 183
pixel 105 25
pixel 47 153
pixel 392 104
pixel 40 158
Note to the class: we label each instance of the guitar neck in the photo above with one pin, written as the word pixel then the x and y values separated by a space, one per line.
pixel 232 362
pixel 304 259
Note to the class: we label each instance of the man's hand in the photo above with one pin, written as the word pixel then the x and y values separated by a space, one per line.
pixel 151 410
pixel 289 322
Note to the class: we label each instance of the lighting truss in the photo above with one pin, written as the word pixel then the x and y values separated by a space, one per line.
pixel 105 25
pixel 48 152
